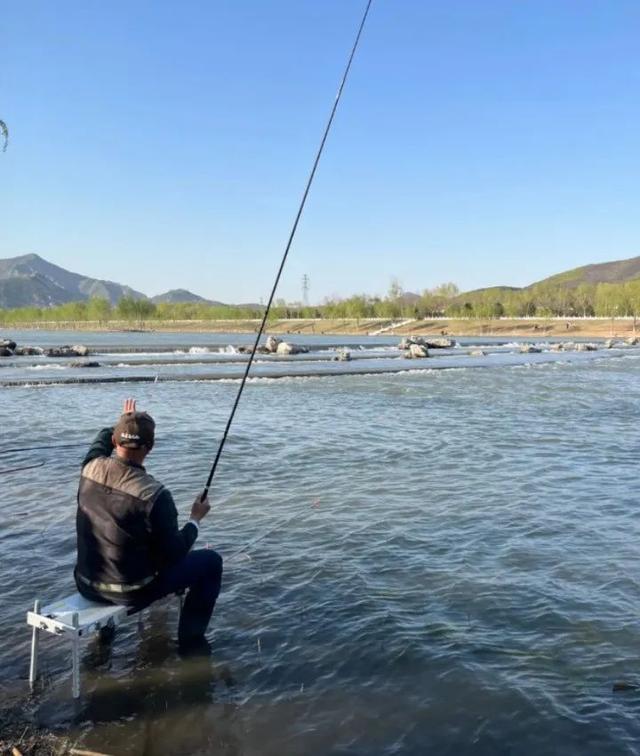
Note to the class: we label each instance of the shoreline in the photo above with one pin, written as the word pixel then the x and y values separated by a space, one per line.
pixel 602 328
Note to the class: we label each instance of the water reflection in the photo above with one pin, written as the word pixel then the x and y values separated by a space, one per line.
pixel 163 699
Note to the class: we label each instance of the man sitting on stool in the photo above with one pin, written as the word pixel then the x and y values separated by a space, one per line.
pixel 130 550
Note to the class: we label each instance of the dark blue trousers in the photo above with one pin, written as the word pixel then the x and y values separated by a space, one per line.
pixel 200 574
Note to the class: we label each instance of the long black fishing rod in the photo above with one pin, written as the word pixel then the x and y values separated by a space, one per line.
pixel 287 248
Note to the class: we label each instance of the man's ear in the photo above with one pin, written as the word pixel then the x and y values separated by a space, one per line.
pixel 113 441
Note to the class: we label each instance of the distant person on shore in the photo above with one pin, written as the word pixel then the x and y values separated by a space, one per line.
pixel 130 549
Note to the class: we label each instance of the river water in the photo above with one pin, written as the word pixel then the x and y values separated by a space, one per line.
pixel 435 561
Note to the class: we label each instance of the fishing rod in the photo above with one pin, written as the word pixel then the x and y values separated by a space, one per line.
pixel 287 248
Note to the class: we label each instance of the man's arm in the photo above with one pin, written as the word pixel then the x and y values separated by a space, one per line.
pixel 170 544
pixel 102 446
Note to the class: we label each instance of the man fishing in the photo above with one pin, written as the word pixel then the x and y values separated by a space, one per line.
pixel 130 549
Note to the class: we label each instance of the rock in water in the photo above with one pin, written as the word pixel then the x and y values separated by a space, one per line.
pixel 417 352
pixel 342 355
pixel 529 349
pixel 272 344
pixel 5 352
pixel 440 343
pixel 85 364
pixel 28 351
pixel 586 347
pixel 8 344
pixel 477 353
pixel 407 341
pixel 284 347
pixel 68 351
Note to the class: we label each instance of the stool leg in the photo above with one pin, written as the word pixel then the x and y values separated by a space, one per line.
pixel 35 637
pixel 75 658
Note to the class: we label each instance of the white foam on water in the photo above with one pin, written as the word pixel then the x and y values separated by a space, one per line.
pixel 199 350
pixel 48 366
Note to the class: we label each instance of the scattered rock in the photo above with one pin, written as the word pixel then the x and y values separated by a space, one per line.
pixel 8 344
pixel 5 352
pixel 342 355
pixel 271 344
pixel 586 347
pixel 633 340
pixel 407 341
pixel 529 349
pixel 610 343
pixel 416 352
pixel 85 364
pixel 557 348
pixel 284 347
pixel 477 353
pixel 28 351
pixel 68 351
pixel 440 343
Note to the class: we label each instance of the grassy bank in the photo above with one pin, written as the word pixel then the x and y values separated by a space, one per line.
pixel 530 327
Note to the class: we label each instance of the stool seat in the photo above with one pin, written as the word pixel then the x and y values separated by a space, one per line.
pixel 58 617
pixel 75 617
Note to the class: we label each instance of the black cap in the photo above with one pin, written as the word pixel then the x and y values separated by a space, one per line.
pixel 135 430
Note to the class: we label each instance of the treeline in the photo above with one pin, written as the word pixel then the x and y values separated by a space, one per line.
pixel 586 300
pixel 602 300
pixel 128 309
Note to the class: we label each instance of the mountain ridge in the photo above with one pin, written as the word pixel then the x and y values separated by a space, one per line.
pixel 30 280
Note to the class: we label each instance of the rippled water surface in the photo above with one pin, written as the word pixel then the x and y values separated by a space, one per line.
pixel 431 562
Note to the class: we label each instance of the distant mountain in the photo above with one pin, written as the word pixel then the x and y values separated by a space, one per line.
pixel 31 281
pixel 177 296
pixel 493 290
pixel 618 271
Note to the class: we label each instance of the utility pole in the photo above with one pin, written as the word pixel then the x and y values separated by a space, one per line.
pixel 305 290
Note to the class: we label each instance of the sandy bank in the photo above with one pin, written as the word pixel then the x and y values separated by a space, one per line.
pixel 524 328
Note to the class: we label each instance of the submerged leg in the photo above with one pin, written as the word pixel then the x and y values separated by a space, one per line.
pixel 200 574
pixel 204 587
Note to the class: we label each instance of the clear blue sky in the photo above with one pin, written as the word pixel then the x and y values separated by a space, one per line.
pixel 165 144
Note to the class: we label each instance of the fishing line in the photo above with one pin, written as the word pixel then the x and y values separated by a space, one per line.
pixel 287 248
pixel 19 469
pixel 276 527
pixel 38 448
